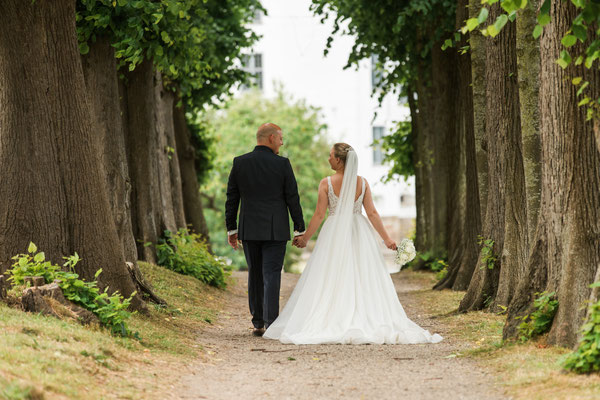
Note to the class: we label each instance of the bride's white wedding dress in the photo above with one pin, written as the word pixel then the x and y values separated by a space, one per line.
pixel 345 294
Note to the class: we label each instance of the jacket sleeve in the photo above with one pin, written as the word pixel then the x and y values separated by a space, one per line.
pixel 233 200
pixel 292 198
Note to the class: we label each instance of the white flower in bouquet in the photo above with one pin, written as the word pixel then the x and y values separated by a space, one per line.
pixel 406 252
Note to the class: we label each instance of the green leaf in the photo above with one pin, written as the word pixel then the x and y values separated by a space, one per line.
pixel 543 19
pixel 545 9
pixel 492 31
pixel 39 257
pixel 122 3
pixel 500 22
pixel 447 43
pixel 98 273
pixel 483 14
pixel 537 31
pixel 581 89
pixel 165 37
pixel 564 60
pixel 472 23
pixel 32 248
pixel 579 60
pixel 582 103
pixel 595 285
pixel 569 40
pixel 577 80
pixel 579 31
pixel 84 48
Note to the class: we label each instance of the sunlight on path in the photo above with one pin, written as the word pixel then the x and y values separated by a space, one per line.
pixel 242 366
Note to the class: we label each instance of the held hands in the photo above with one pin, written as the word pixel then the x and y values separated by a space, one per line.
pixel 233 241
pixel 390 244
pixel 299 241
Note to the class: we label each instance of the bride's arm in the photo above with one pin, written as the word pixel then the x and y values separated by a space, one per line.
pixel 375 219
pixel 319 214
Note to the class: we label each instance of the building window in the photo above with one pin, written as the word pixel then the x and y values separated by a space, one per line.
pixel 252 63
pixel 375 71
pixel 257 16
pixel 377 148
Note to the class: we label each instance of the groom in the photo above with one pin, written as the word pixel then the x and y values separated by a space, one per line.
pixel 266 186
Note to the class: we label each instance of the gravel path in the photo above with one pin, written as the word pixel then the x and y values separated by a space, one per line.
pixel 239 365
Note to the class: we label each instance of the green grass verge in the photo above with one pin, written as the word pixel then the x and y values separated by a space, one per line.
pixel 527 371
pixel 40 354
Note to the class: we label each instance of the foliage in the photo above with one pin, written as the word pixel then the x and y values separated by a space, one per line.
pixel 441 274
pixel 235 128
pixel 540 321
pixel 187 254
pixel 488 259
pixel 110 309
pixel 587 356
pixel 398 149
pixel 426 260
pixel 184 39
pixel 583 30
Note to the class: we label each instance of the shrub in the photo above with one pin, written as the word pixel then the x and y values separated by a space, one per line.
pixel 110 309
pixel 540 320
pixel 587 356
pixel 187 254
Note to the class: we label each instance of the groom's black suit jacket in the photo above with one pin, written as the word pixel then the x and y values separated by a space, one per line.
pixel 266 186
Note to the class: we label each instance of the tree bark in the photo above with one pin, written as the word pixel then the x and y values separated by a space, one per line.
pixel 463 253
pixel 192 202
pixel 100 72
pixel 142 157
pixel 422 156
pixel 51 181
pixel 567 246
pixel 442 133
pixel 528 61
pixel 477 44
pixel 505 217
pixel 164 152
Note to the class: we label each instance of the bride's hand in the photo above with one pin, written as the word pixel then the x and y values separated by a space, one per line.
pixel 390 244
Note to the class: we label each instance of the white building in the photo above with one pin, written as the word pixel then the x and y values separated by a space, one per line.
pixel 291 52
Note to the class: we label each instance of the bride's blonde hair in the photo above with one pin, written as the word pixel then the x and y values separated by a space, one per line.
pixel 340 150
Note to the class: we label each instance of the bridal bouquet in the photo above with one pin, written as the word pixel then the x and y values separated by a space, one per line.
pixel 406 252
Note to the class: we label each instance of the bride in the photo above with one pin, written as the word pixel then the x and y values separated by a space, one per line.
pixel 345 294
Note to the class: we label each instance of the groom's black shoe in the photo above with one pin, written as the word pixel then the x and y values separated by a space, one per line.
pixel 258 331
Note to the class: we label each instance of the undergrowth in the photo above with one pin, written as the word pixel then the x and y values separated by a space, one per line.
pixel 187 253
pixel 111 309
pixel 539 321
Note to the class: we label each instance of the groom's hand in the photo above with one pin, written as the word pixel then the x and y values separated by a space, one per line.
pixel 299 241
pixel 233 241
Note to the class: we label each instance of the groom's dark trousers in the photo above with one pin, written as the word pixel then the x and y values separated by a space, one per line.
pixel 263 186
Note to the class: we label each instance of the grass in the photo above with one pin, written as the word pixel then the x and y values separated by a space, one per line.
pixel 526 371
pixel 40 354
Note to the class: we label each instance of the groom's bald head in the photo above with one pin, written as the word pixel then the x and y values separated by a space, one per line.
pixel 266 130
pixel 270 135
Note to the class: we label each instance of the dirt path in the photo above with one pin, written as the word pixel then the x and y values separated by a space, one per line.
pixel 242 366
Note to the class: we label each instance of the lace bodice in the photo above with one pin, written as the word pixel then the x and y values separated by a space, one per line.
pixel 333 199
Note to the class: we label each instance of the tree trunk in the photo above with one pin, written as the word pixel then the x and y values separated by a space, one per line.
pixel 102 83
pixel 567 246
pixel 461 262
pixel 100 71
pixel 51 182
pixel 164 153
pixel 192 203
pixel 505 217
pixel 442 132
pixel 422 156
pixel 528 61
pixel 141 145
pixel 477 44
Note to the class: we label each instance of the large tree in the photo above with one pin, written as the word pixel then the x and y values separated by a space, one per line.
pixel 566 250
pixel 53 186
